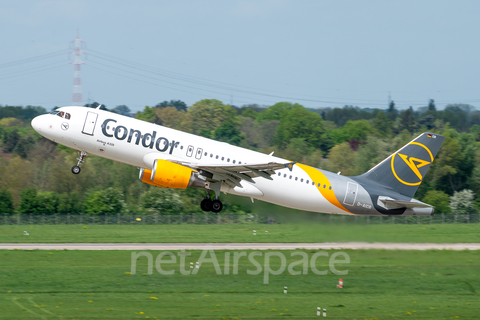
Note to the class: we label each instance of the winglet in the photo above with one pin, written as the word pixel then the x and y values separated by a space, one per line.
pixel 290 165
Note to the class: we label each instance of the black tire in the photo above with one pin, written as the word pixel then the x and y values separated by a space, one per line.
pixel 206 205
pixel 76 169
pixel 217 206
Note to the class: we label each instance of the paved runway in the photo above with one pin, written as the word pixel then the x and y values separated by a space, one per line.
pixel 240 246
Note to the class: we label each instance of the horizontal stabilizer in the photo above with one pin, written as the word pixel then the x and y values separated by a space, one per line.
pixel 390 204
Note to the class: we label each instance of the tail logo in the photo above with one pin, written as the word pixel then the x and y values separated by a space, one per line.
pixel 408 167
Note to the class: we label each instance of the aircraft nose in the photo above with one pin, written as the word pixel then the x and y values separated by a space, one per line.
pixel 36 124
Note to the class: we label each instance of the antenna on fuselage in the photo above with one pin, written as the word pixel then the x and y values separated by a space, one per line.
pixel 98 106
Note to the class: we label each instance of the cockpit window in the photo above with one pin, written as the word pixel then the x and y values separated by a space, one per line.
pixel 61 114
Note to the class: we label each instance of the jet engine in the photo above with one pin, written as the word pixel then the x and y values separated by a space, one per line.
pixel 171 175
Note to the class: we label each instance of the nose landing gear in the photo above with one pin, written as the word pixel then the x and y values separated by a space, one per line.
pixel 81 157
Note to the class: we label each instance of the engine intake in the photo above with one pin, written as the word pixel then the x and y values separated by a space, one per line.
pixel 171 175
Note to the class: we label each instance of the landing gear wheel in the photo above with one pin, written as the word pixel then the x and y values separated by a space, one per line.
pixel 81 159
pixel 206 205
pixel 217 206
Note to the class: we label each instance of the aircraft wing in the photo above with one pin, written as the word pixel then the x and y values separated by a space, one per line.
pixel 232 174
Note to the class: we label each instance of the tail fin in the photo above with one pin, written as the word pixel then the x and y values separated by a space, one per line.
pixel 404 170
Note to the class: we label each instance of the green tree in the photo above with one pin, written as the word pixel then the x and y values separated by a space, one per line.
pixel 298 122
pixel 277 111
pixel 407 120
pixel 170 117
pixel 439 199
pixel 177 104
pixel 28 201
pixel 6 202
pixel 122 109
pixel 108 201
pixel 11 137
pixel 70 203
pixel 228 133
pixel 250 110
pixel 209 114
pixel 342 158
pixel 382 125
pixel 148 114
pixel 456 116
pixel 462 202
pixel 445 167
pixel 161 200
pixel 47 202
pixel 392 113
pixel 431 105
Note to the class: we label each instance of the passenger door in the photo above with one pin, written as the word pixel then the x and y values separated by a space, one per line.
pixel 90 121
pixel 351 195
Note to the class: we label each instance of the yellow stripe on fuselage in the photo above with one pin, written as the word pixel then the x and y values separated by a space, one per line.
pixel 327 192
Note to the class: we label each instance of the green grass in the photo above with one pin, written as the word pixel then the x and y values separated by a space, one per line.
pixel 380 284
pixel 290 232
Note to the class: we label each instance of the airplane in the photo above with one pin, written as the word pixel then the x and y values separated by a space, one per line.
pixel 174 159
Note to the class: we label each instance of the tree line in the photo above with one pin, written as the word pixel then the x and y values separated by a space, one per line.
pixel 35 173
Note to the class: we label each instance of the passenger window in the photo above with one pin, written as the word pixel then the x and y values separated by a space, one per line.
pixel 223 158
pixel 330 188
pixel 233 161
pixel 308 181
pixel 319 185
pixel 216 157
pixel 189 151
pixel 205 154
pixel 290 177
pixel 228 160
pixel 296 178
pixel 211 155
pixel 301 180
pixel 285 175
pixel 199 153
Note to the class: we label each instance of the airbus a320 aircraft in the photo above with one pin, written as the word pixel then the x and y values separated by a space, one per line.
pixel 174 159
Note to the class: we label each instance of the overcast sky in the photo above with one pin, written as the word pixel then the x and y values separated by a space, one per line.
pixel 316 53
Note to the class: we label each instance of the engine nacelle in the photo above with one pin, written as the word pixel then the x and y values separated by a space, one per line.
pixel 171 175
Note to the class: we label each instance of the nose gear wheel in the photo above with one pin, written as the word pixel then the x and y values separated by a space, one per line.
pixel 81 158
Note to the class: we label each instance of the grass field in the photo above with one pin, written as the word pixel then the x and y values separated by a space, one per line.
pixel 290 232
pixel 379 285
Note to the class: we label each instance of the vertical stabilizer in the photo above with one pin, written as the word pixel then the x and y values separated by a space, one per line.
pixel 403 171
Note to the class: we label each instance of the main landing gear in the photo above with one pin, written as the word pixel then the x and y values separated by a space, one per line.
pixel 214 205
pixel 81 157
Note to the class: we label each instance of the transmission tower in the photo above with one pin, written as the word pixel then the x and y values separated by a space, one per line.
pixel 77 99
